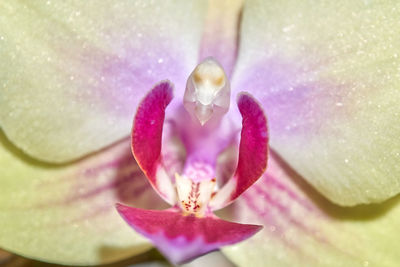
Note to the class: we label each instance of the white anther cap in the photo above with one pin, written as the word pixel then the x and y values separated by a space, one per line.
pixel 207 91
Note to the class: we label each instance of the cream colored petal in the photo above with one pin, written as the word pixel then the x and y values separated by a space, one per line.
pixel 328 76
pixel 72 73
pixel 66 214
pixel 302 228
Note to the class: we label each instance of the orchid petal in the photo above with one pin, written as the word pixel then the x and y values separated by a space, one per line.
pixel 73 73
pixel 182 238
pixel 302 228
pixel 147 139
pixel 65 214
pixel 327 74
pixel 253 153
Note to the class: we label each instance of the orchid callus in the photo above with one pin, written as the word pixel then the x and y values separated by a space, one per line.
pixel 190 228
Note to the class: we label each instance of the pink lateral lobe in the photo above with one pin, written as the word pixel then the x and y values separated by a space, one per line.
pixel 147 129
pixel 253 148
pixel 253 153
pixel 182 238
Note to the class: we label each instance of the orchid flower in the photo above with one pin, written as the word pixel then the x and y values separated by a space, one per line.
pixel 325 74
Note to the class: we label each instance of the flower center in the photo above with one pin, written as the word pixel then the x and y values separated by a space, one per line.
pixel 207 96
pixel 197 143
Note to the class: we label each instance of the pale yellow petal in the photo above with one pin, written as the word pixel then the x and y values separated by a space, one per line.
pixel 302 228
pixel 328 76
pixel 65 214
pixel 73 72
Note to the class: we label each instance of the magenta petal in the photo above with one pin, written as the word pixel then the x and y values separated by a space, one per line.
pixel 146 138
pixel 253 149
pixel 253 152
pixel 181 238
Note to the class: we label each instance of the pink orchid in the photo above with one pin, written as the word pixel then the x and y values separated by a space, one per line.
pixel 325 73
pixel 190 228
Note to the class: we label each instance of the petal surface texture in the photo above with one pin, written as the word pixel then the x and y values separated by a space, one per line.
pixel 146 139
pixel 253 152
pixel 181 238
pixel 73 73
pixel 302 228
pixel 66 214
pixel 327 74
pixel 220 37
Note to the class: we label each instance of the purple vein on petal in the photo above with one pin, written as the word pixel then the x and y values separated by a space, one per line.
pixel 271 223
pixel 283 206
pixel 272 181
pixel 279 223
pixel 285 213
pixel 116 178
pixel 128 187
pixel 118 182
pixel 113 164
